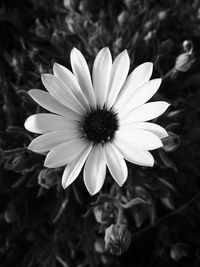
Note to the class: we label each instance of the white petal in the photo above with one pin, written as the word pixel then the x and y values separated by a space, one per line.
pixel 70 80
pixel 82 74
pixel 101 75
pixel 138 77
pixel 146 112
pixel 118 76
pixel 95 170
pixel 141 96
pixel 45 122
pixel 136 156
pixel 65 153
pixel 116 164
pixel 139 139
pixel 73 169
pixel 61 92
pixel 48 102
pixel 147 126
pixel 48 141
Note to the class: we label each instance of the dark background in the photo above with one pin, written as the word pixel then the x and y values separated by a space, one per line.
pixel 41 225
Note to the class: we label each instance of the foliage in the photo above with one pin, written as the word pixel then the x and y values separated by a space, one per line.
pixel 41 225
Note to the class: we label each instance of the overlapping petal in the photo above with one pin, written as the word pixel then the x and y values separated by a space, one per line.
pixel 73 169
pixel 116 164
pixel 45 122
pixel 70 80
pixel 146 112
pixel 136 156
pixel 101 75
pixel 49 140
pixel 119 72
pixel 141 96
pixel 48 102
pixel 139 139
pixel 138 77
pixel 65 153
pixel 61 92
pixel 82 74
pixel 95 170
pixel 147 126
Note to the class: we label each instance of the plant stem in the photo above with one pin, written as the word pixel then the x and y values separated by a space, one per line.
pixel 168 216
pixel 120 216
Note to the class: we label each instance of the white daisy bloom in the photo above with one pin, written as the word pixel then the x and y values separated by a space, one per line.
pixel 98 122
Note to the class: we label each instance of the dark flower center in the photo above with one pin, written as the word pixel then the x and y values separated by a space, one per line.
pixel 100 125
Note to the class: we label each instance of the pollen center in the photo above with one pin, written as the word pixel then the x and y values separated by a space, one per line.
pixel 100 125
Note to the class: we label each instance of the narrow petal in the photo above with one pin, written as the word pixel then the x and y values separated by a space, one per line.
pixel 61 92
pixel 82 74
pixel 48 141
pixel 116 164
pixel 45 122
pixel 95 170
pixel 141 96
pixel 101 75
pixel 73 169
pixel 70 80
pixel 146 112
pixel 147 126
pixel 65 153
pixel 136 156
pixel 48 102
pixel 118 76
pixel 138 77
pixel 139 139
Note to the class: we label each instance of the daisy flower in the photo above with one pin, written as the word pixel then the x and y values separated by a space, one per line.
pixel 97 122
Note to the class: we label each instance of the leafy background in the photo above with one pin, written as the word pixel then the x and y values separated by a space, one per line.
pixel 40 223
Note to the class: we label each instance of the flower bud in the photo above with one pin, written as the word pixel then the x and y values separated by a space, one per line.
pixel 122 18
pixel 171 142
pixel 47 178
pixel 10 214
pixel 104 213
pixel 117 45
pixel 40 29
pixel 162 15
pixel 128 3
pixel 68 4
pixel 149 36
pixel 70 22
pixel 184 62
pixel 188 46
pixel 117 239
pixel 99 246
pixel 178 251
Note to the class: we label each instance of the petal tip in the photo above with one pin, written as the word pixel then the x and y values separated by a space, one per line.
pixel 43 78
pixel 55 66
pixel 30 147
pixel 92 193
pixel 30 92
pixel 26 123
pixel 149 64
pixel 64 185
pixel 74 50
pixel 47 162
pixel 121 182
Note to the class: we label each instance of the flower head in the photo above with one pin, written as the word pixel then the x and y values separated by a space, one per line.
pixel 99 122
pixel 117 239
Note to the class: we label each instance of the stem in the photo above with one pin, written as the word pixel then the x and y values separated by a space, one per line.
pixel 166 217
pixel 168 74
pixel 120 215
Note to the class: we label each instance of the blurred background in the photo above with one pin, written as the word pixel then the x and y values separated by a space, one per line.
pixel 41 225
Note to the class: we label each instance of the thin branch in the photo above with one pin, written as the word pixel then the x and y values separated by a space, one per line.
pixel 168 216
